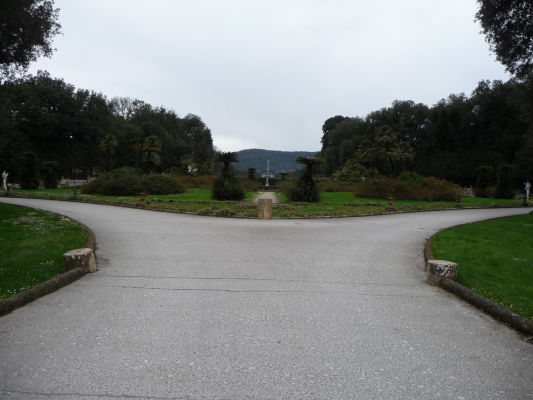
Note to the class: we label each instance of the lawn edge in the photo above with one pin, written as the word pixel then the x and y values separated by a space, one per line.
pixel 57 282
pixel 144 207
pixel 495 310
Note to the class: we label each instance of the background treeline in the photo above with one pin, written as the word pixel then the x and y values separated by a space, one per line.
pixel 46 123
pixel 466 140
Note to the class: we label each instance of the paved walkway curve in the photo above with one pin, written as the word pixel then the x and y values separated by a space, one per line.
pixel 188 307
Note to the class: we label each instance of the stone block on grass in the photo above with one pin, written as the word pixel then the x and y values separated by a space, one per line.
pixel 80 258
pixel 264 208
pixel 437 269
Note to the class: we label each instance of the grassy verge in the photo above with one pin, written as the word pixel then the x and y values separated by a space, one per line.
pixel 198 201
pixel 495 259
pixel 32 244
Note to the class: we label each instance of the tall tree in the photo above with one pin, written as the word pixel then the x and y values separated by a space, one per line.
pixel 508 26
pixel 108 145
pixel 26 31
pixel 151 147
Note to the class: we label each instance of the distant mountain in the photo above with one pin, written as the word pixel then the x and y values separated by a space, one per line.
pixel 279 160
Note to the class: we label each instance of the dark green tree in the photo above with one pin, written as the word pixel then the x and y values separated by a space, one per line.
pixel 26 31
pixel 151 147
pixel 251 173
pixel 505 187
pixel 108 146
pixel 226 186
pixel 305 188
pixel 485 179
pixel 508 26
pixel 29 174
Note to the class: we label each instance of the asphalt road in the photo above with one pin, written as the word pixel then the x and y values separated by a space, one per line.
pixel 189 307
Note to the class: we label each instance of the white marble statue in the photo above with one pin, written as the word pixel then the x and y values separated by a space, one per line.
pixel 4 179
pixel 527 186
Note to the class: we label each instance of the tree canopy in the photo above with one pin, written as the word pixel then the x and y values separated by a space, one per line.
pixel 508 26
pixel 76 128
pixel 450 140
pixel 26 31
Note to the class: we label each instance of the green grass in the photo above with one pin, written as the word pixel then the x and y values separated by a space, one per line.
pixel 32 244
pixel 198 201
pixel 495 259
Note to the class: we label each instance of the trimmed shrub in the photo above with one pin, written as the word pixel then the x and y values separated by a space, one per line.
pixel 202 182
pixel 430 189
pixel 119 182
pixel 161 184
pixel 326 185
pixel 130 182
pixel 302 190
pixel 225 188
pixel 305 188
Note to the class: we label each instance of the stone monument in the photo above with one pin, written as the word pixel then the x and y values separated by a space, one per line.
pixel 4 179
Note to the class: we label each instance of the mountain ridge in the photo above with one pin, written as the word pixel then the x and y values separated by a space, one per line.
pixel 279 160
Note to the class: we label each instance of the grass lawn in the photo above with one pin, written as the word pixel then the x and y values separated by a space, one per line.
pixel 495 259
pixel 198 201
pixel 32 244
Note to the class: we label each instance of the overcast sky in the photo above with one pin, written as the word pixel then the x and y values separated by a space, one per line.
pixel 266 74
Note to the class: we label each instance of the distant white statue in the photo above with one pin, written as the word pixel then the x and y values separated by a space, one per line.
pixel 4 179
pixel 527 186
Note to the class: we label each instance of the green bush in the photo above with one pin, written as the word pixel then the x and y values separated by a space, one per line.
pixel 130 182
pixel 161 184
pixel 429 189
pixel 305 188
pixel 302 190
pixel 328 185
pixel 227 188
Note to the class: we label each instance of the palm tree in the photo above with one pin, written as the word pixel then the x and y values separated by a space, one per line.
pixel 151 147
pixel 226 158
pixel 386 153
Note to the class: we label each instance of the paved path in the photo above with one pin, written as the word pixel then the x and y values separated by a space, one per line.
pixel 188 307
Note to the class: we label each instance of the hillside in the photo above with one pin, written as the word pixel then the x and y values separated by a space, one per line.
pixel 279 160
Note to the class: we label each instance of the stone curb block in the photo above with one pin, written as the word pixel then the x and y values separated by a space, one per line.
pixel 33 293
pixel 495 310
pixel 27 296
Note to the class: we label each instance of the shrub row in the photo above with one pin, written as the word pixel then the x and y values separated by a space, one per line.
pixel 427 189
pixel 129 182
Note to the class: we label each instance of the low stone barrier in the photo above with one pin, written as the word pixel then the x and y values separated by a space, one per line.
pixel 80 258
pixel 438 269
pixel 264 208
pixel 443 273
pixel 85 262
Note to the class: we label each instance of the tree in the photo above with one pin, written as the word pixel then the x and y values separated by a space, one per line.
pixel 151 147
pixel 251 173
pixel 108 145
pixel 226 158
pixel 386 152
pixel 26 31
pixel 305 188
pixel 29 174
pixel 226 186
pixel 505 187
pixel 508 26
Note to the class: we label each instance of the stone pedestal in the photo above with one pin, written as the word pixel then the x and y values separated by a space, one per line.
pixel 264 207
pixel 437 269
pixel 80 258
